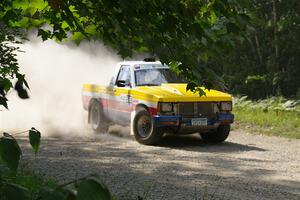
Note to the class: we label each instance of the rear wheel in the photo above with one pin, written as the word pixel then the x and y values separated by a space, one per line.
pixel 216 136
pixel 144 128
pixel 97 119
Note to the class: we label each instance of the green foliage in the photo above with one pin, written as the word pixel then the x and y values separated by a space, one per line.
pixel 193 33
pixel 274 116
pixel 269 51
pixel 9 68
pixel 29 179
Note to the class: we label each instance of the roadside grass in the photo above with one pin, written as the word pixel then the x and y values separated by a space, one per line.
pixel 274 116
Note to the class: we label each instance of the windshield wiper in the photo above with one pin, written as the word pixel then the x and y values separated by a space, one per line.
pixel 148 84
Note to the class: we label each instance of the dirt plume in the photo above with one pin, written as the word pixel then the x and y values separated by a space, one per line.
pixel 55 74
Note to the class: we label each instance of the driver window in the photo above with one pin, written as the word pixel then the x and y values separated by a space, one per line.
pixel 124 75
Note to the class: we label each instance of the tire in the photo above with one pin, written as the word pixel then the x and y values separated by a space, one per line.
pixel 97 120
pixel 217 136
pixel 144 128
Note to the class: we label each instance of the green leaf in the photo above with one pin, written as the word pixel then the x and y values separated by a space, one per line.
pixel 6 84
pixel 14 192
pixel 93 189
pixel 10 152
pixel 191 86
pixel 201 92
pixel 3 102
pixel 77 37
pixel 90 29
pixel 174 66
pixel 24 22
pixel 213 17
pixel 39 4
pixel 10 15
pixel 64 25
pixel 20 4
pixel 22 93
pixel 34 139
pixel 68 192
pixel 44 34
pixel 48 194
pixel 36 22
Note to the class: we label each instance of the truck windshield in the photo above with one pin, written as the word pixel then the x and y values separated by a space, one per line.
pixel 155 77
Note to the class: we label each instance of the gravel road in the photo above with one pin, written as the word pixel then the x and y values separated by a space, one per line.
pixel 244 167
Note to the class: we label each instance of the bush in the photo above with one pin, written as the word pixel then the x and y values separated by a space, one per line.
pixel 273 116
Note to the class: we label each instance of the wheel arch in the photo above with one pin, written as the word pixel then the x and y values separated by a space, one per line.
pixel 141 106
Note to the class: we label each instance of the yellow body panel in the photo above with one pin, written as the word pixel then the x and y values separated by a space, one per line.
pixel 177 93
pixel 93 88
pixel 164 93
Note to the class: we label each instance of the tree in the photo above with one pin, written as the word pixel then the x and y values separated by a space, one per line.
pixel 266 63
pixel 188 35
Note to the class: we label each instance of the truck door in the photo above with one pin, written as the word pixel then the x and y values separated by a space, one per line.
pixel 120 102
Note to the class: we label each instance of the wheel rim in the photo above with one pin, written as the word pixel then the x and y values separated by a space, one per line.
pixel 144 126
pixel 95 116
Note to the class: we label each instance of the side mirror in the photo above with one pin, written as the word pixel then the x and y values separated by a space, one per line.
pixel 121 83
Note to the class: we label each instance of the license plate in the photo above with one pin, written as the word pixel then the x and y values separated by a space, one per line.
pixel 199 122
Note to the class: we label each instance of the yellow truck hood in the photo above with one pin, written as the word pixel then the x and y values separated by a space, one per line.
pixel 176 93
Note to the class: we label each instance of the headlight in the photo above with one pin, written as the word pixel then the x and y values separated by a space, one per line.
pixel 226 106
pixel 166 107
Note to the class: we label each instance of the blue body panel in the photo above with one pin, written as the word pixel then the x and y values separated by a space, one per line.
pixel 226 117
pixel 176 120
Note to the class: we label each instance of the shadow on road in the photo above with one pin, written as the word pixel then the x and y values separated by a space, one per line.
pixel 194 143
pixel 189 142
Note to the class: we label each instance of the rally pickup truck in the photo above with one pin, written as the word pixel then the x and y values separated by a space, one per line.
pixel 154 101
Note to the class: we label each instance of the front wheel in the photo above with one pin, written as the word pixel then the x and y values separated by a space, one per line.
pixel 97 119
pixel 217 136
pixel 144 128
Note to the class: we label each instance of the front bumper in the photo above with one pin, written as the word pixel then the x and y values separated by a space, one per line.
pixel 179 124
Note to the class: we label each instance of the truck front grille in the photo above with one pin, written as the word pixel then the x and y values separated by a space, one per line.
pixel 197 109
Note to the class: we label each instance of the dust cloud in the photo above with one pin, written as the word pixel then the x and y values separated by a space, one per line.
pixel 55 74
